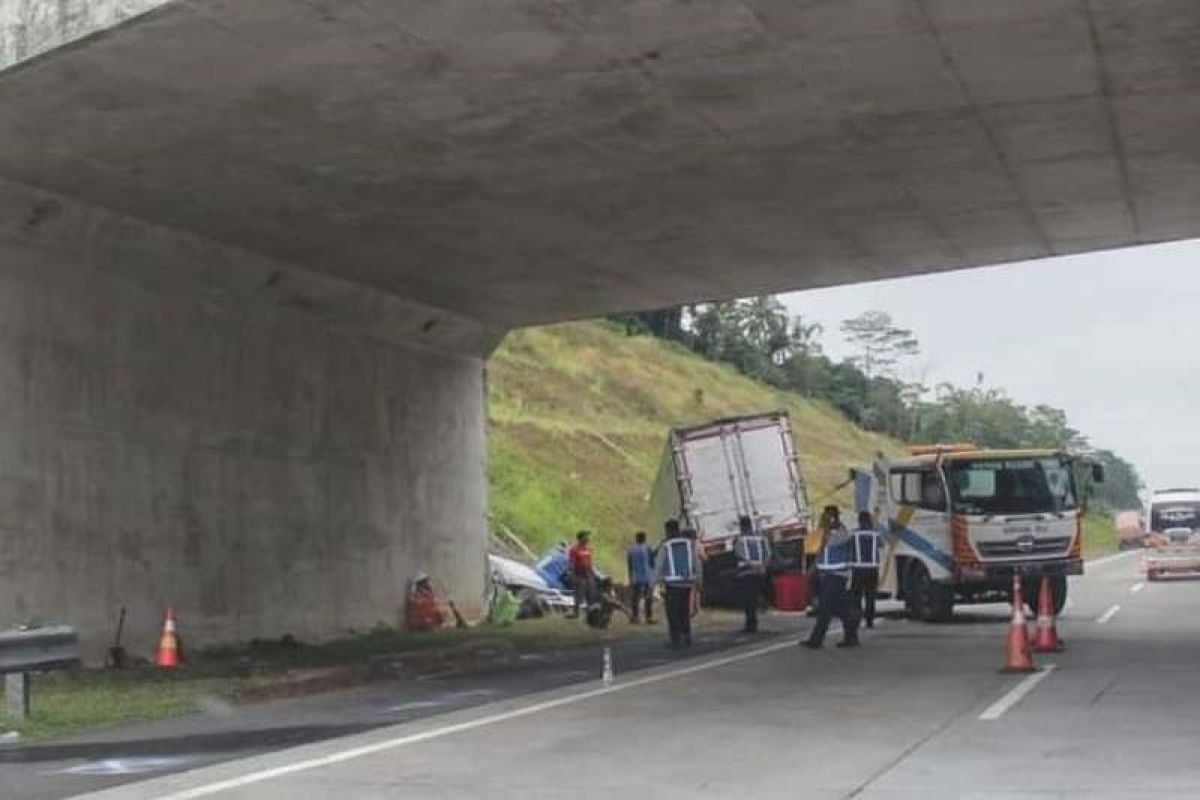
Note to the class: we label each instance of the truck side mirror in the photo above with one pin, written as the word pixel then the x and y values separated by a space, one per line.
pixel 1097 473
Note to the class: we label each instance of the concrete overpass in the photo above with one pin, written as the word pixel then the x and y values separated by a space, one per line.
pixel 253 254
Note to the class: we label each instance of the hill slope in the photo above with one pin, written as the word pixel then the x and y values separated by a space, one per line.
pixel 579 415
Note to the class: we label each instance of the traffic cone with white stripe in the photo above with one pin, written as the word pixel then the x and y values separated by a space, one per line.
pixel 167 656
pixel 1046 640
pixel 1019 658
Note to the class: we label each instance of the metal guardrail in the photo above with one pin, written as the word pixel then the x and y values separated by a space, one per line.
pixel 33 650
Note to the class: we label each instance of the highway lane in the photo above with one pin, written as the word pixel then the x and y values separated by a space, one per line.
pixel 899 718
pixel 105 758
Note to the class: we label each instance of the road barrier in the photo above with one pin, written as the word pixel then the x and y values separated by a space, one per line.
pixel 29 650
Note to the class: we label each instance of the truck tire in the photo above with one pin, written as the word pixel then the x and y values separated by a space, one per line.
pixel 926 600
pixel 1058 590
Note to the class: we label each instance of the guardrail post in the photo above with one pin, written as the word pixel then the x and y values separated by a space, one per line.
pixel 16 694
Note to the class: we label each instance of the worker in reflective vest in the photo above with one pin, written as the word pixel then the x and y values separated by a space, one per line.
pixel 833 580
pixel 752 551
pixel 865 568
pixel 679 570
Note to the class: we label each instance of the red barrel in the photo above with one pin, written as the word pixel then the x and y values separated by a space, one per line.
pixel 791 591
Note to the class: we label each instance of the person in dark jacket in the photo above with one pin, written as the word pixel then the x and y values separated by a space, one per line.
pixel 752 551
pixel 865 581
pixel 833 582
pixel 679 570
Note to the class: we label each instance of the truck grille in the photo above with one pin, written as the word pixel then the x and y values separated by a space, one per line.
pixel 1041 547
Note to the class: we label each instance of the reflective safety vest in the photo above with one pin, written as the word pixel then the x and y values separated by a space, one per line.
pixel 751 549
pixel 835 557
pixel 866 549
pixel 679 560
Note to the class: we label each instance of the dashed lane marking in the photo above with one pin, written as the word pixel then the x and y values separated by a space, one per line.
pixel 1137 587
pixel 999 708
pixel 1107 615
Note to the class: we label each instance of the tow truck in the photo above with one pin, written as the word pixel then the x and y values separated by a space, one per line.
pixel 960 521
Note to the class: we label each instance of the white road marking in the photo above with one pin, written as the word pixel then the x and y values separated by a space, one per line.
pixel 1095 562
pixel 413 706
pixel 127 766
pixel 997 709
pixel 1107 615
pixel 481 722
pixel 1137 587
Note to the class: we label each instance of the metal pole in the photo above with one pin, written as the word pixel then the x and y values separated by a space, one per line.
pixel 16 694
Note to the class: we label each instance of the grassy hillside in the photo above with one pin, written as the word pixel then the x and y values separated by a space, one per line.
pixel 579 418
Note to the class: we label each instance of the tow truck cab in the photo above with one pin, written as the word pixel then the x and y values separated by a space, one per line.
pixel 961 521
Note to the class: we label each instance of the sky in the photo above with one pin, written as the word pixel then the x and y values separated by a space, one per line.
pixel 1112 338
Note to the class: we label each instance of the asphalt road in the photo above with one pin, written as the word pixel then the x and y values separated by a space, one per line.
pixel 920 711
pixel 103 759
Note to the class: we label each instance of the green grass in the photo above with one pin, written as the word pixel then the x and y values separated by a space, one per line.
pixel 579 415
pixel 69 702
pixel 1099 535
pixel 65 702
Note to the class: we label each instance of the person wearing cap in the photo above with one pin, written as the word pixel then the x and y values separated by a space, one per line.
pixel 582 572
pixel 833 582
pixel 679 570
pixel 865 567
pixel 752 551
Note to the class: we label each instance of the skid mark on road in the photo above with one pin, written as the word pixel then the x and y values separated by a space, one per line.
pixel 1107 615
pixel 999 708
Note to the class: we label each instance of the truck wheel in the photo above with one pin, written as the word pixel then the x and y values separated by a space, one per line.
pixel 926 600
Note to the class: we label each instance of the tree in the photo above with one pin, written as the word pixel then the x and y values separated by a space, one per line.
pixel 880 343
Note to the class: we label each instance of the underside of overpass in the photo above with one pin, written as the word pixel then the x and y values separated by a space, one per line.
pixel 253 254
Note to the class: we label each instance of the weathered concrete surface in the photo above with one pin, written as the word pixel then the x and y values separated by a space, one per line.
pixel 29 28
pixel 184 424
pixel 529 160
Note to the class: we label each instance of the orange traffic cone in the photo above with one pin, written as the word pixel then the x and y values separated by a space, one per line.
pixel 168 645
pixel 1046 640
pixel 1018 659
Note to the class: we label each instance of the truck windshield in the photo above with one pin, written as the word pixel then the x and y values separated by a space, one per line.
pixel 1168 514
pixel 1011 486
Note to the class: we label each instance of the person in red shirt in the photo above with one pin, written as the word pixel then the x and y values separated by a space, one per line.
pixel 582 573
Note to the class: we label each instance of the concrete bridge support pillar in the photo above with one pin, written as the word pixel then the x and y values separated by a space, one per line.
pixel 185 424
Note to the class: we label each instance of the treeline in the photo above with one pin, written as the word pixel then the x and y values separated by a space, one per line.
pixel 763 341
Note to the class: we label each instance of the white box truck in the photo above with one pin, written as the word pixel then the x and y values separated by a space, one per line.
pixel 714 473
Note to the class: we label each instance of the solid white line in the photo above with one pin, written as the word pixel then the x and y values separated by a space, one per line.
pixel 1137 587
pixel 1095 562
pixel 997 709
pixel 1107 615
pixel 492 719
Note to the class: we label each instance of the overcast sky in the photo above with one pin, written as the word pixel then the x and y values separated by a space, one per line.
pixel 1113 338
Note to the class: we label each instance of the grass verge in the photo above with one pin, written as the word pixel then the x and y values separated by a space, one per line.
pixel 71 702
